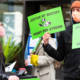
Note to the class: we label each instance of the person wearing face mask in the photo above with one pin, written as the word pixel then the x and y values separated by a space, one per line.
pixel 64 51
pixel 3 75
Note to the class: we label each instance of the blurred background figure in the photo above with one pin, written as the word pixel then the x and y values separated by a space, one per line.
pixel 2 58
pixel 29 47
pixel 43 66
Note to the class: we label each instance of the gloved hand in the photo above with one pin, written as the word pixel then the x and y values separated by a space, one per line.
pixel 34 59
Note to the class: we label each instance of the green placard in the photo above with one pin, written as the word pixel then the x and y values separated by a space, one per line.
pixel 76 36
pixel 46 21
pixel 31 79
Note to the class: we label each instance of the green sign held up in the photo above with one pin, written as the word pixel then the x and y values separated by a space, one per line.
pixel 75 36
pixel 46 21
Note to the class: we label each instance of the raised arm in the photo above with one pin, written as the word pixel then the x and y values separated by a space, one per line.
pixel 57 54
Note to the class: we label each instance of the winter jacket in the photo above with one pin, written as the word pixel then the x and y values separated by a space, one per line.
pixel 71 56
pixel 45 69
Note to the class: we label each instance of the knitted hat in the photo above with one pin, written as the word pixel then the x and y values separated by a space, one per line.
pixel 75 4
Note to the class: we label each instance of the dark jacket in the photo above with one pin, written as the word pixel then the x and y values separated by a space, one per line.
pixel 4 75
pixel 71 56
pixel 2 64
pixel 2 60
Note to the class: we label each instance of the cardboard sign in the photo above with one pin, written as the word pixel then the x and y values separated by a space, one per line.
pixel 46 21
pixel 76 36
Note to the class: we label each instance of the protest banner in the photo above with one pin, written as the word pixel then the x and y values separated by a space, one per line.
pixel 46 21
pixel 75 36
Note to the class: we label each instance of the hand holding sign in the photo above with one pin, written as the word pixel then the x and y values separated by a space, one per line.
pixel 46 37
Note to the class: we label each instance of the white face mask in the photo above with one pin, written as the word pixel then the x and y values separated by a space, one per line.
pixel 76 16
pixel 2 31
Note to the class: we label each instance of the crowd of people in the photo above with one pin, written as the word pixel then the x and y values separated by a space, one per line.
pixel 42 64
pixel 47 52
pixel 64 52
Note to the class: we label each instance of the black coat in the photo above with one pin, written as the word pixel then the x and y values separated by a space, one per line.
pixel 2 60
pixel 4 75
pixel 71 56
pixel 2 64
